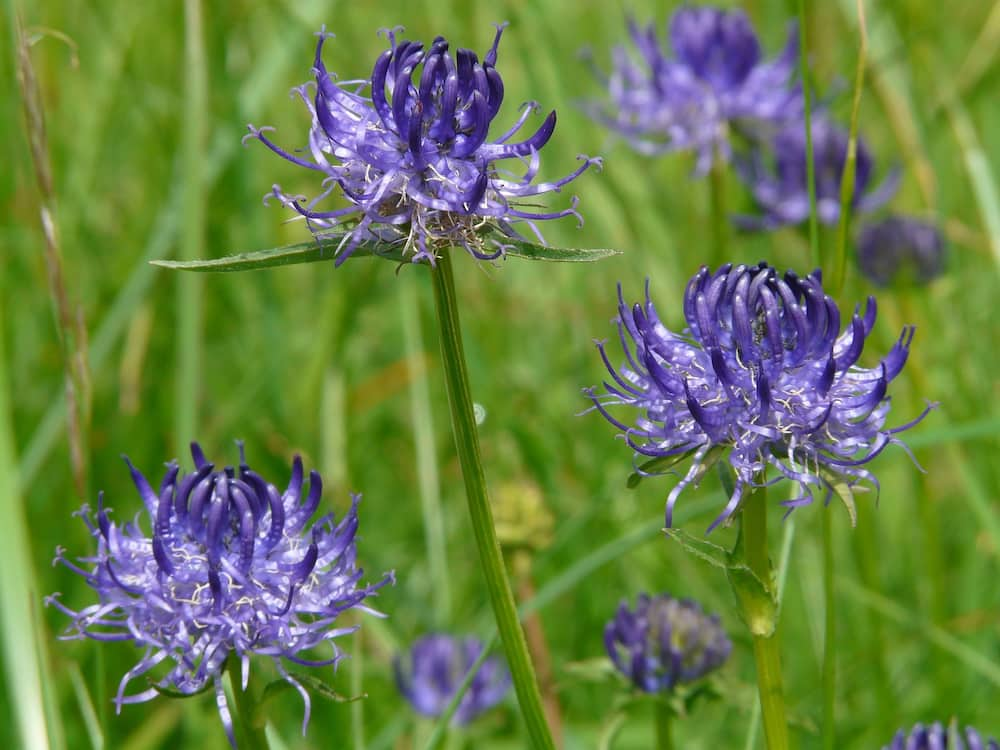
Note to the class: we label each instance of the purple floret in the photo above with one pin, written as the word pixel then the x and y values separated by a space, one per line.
pixel 937 737
pixel 231 566
pixel 665 641
pixel 410 152
pixel 763 376
pixel 901 246
pixel 429 675
pixel 776 176
pixel 715 85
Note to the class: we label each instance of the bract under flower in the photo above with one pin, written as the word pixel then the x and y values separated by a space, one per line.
pixel 413 159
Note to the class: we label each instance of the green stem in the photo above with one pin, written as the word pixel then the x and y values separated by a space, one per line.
pixel 189 288
pixel 463 422
pixel 829 634
pixel 720 224
pixel 428 483
pixel 765 648
pixel 661 719
pixel 247 725
pixel 839 269
pixel 810 165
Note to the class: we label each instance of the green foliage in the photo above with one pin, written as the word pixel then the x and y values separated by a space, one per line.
pixel 916 604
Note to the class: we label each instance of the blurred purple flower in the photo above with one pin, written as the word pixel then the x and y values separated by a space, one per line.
pixel 412 158
pixel 936 737
pixel 232 567
pixel 781 189
pixel 900 246
pixel 715 83
pixel 763 376
pixel 665 641
pixel 430 674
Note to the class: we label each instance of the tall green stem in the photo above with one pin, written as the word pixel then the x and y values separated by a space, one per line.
pixel 661 718
pixel 247 725
pixel 189 285
pixel 847 187
pixel 829 634
pixel 463 422
pixel 765 648
pixel 807 112
pixel 717 199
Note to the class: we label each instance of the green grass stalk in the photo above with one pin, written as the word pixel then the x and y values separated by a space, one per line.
pixel 661 721
pixel 491 559
pixel 24 657
pixel 829 634
pixel 720 223
pixel 838 272
pixel 765 648
pixel 194 126
pixel 817 256
pixel 68 315
pixel 428 482
pixel 247 725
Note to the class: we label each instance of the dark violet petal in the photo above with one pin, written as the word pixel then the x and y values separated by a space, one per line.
pixel 162 557
pixel 149 498
pixel 198 456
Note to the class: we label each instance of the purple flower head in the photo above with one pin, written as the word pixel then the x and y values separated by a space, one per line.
pixel 936 737
pixel 413 158
pixel 899 246
pixel 781 189
pixel 762 375
pixel 716 82
pixel 430 674
pixel 232 566
pixel 665 641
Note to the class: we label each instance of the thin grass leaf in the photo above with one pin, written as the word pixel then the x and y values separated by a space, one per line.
pixel 972 658
pixel 23 653
pixel 83 700
pixel 984 186
pixel 847 187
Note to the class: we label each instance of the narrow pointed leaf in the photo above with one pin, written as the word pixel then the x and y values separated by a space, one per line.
pixel 327 250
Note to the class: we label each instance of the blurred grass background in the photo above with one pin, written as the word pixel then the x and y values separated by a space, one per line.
pixel 332 364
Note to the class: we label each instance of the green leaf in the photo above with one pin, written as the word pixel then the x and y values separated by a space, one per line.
pixel 312 684
pixel 326 249
pixel 757 599
pixel 315 686
pixel 288 255
pixel 533 251
pixel 610 729
pixel 713 554
pixel 168 693
pixel 598 669
pixel 658 465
